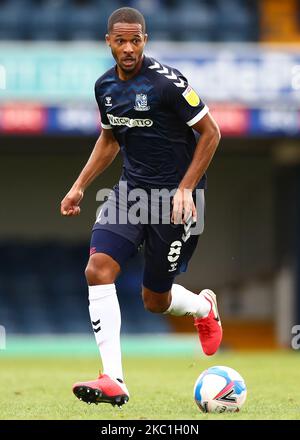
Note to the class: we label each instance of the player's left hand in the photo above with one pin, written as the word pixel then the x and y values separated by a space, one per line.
pixel 183 207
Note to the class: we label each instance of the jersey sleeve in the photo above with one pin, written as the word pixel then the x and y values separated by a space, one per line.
pixel 104 120
pixel 180 97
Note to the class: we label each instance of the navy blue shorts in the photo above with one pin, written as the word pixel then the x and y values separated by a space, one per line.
pixel 167 247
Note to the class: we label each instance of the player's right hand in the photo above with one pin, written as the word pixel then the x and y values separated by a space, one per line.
pixel 70 204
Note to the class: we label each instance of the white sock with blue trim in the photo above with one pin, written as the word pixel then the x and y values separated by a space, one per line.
pixel 184 303
pixel 106 321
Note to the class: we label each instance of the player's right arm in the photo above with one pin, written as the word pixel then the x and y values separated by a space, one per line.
pixel 103 154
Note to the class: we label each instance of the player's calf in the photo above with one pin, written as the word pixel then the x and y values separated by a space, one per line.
pixel 156 302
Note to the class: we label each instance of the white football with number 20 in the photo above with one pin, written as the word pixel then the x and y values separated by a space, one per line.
pixel 220 389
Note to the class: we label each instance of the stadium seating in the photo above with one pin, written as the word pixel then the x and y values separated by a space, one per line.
pixel 43 290
pixel 198 20
pixel 42 285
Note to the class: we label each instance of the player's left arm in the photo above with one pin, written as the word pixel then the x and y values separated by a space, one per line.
pixel 204 152
pixel 183 204
pixel 182 99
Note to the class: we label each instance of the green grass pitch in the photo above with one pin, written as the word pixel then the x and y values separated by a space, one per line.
pixel 160 387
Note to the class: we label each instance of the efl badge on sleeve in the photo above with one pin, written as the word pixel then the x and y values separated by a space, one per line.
pixel 191 96
pixel 141 102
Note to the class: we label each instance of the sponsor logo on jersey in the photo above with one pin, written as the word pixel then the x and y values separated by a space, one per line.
pixel 191 96
pixel 115 120
pixel 108 101
pixel 141 102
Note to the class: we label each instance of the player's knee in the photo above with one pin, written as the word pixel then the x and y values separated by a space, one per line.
pixel 100 271
pixel 98 275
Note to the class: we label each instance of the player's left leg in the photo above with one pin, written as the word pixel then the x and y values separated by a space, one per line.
pixel 179 301
pixel 167 253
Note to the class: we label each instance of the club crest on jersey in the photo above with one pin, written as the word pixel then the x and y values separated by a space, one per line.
pixel 141 104
pixel 191 96
pixel 108 101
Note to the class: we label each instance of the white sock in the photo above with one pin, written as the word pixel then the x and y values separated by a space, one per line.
pixel 106 321
pixel 185 302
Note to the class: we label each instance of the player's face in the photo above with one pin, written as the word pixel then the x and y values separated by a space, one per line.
pixel 127 43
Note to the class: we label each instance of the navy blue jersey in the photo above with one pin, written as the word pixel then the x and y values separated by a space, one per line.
pixel 151 116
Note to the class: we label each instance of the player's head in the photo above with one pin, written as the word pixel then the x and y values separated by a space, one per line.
pixel 126 36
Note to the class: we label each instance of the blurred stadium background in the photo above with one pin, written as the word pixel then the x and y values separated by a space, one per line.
pixel 243 57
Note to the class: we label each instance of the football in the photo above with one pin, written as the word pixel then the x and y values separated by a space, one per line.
pixel 220 389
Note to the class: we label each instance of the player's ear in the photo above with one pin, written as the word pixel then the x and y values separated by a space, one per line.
pixel 145 38
pixel 107 39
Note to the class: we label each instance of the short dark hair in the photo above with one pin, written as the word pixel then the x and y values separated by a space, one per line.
pixel 126 15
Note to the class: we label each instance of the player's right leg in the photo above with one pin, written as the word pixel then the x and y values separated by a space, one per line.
pixel 108 253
